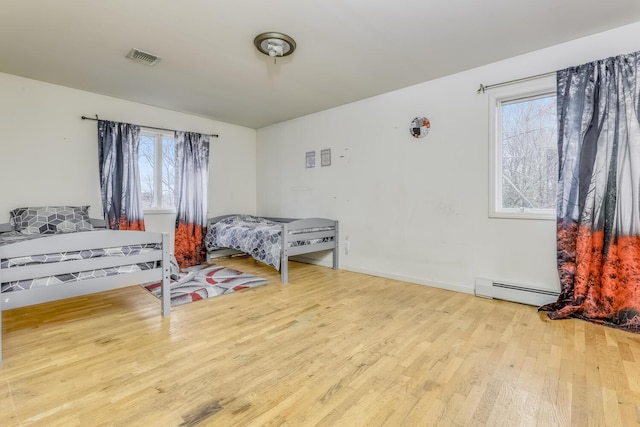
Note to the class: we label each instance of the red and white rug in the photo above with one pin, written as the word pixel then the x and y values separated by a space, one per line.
pixel 206 281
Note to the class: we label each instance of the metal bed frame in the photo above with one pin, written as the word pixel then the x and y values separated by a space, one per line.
pixel 82 241
pixel 293 230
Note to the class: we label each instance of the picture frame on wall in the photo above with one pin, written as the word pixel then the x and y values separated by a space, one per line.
pixel 310 160
pixel 325 157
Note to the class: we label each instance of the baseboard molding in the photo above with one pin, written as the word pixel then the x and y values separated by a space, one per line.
pixel 308 260
pixel 387 275
pixel 221 253
pixel 484 288
pixel 411 279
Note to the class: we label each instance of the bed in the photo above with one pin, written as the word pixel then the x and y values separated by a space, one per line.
pixel 271 240
pixel 39 268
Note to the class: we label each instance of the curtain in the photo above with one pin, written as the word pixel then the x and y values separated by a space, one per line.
pixel 192 177
pixel 120 175
pixel 598 224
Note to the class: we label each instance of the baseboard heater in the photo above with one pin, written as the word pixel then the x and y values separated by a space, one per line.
pixel 487 288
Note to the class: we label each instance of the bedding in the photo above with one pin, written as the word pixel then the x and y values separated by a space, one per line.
pixel 259 237
pixel 51 219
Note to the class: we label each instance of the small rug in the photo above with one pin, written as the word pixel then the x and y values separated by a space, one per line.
pixel 206 281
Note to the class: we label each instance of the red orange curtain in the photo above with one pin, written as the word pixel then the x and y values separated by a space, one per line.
pixel 120 175
pixel 192 177
pixel 598 222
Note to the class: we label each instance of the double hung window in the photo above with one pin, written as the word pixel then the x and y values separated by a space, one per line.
pixel 524 153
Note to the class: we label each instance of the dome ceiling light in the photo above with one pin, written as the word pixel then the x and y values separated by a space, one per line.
pixel 275 44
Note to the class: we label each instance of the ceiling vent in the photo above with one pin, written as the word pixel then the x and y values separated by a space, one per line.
pixel 143 57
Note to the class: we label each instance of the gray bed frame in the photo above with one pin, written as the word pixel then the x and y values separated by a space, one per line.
pixel 293 230
pixel 80 241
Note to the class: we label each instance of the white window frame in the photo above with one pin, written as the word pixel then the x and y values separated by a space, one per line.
pixel 520 91
pixel 157 171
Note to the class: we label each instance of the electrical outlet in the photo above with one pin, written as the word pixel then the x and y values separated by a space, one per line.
pixel 346 245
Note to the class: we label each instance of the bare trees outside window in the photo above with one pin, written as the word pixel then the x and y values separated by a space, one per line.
pixel 157 161
pixel 529 156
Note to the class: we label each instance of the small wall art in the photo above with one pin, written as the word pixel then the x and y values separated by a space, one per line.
pixel 310 160
pixel 325 157
pixel 419 127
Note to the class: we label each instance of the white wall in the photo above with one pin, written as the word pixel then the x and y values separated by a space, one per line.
pixel 418 209
pixel 49 156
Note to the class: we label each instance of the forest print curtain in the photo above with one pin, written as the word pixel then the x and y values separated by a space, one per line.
pixel 192 177
pixel 120 175
pixel 599 193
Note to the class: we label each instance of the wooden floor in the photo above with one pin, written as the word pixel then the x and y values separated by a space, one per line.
pixel 332 348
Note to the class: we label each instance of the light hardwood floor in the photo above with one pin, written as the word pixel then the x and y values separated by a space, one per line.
pixel 332 348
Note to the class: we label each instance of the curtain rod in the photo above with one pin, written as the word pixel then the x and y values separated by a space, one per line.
pixel 483 88
pixel 215 135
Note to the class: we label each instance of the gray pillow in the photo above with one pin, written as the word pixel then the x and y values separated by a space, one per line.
pixel 51 219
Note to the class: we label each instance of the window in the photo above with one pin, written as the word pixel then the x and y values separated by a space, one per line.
pixel 524 152
pixel 157 162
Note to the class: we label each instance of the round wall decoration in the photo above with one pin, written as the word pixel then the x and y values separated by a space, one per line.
pixel 419 127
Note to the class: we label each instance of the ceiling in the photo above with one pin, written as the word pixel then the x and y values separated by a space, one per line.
pixel 347 50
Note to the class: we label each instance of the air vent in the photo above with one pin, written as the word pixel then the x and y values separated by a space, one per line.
pixel 143 57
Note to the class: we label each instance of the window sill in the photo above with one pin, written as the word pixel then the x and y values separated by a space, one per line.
pixel 540 216
pixel 160 211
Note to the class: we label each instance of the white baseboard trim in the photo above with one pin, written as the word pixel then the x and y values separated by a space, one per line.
pixel 221 253
pixel 411 279
pixel 314 261
pixel 484 288
pixel 387 275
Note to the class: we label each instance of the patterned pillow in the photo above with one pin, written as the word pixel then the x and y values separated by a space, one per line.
pixel 51 219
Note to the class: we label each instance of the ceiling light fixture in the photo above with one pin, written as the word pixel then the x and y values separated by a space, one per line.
pixel 274 44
